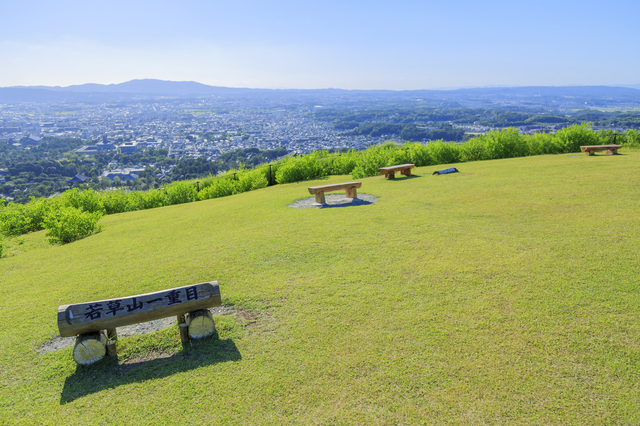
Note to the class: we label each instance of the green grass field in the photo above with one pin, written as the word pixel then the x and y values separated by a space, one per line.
pixel 505 294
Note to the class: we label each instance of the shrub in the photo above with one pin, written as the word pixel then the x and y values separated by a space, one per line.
pixel 115 201
pixel 419 155
pixel 220 187
pixel 153 199
pixel 37 209
pixel 342 164
pixel 444 152
pixel 630 138
pixel 87 201
pixel 14 220
pixel 250 180
pixel 181 192
pixel 135 201
pixel 474 149
pixel 369 161
pixel 573 137
pixel 67 224
pixel 294 169
pixel 543 143
pixel 505 143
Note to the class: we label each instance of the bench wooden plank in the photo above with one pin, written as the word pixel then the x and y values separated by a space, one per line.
pixel 333 187
pixel 396 168
pixel 390 171
pixel 110 313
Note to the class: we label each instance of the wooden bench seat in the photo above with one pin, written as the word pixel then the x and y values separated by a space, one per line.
pixel 590 149
pixel 348 187
pixel 390 172
pixel 94 323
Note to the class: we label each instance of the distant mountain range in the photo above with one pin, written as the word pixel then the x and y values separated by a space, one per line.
pixel 142 87
pixel 149 89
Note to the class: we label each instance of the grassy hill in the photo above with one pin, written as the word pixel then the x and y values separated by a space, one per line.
pixel 505 294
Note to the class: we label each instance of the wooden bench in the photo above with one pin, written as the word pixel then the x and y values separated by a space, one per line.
pixel 348 187
pixel 94 323
pixel 390 172
pixel 590 149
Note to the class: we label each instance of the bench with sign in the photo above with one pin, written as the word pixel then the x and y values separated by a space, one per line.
pixel 390 172
pixel 590 149
pixel 348 187
pixel 94 323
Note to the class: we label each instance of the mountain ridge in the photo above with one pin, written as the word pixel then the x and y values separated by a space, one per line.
pixel 146 88
pixel 156 86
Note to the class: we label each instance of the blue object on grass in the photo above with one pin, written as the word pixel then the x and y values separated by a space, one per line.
pixel 446 171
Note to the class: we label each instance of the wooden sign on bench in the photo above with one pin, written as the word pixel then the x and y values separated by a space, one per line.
pixel 89 321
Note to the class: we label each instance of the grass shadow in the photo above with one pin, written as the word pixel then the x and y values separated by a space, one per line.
pixel 352 203
pixel 109 373
pixel 402 178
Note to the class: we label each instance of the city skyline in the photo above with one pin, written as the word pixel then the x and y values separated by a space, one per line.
pixel 288 45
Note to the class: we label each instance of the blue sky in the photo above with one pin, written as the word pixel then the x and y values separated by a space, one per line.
pixel 343 44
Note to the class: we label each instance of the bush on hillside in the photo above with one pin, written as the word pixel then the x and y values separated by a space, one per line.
pixel 444 152
pixel 294 169
pixel 181 192
pixel 543 143
pixel 14 220
pixel 250 180
pixel 369 161
pixel 506 143
pixel 573 137
pixel 631 138
pixel 152 199
pixel 221 187
pixel 342 164
pixel 419 154
pixel 86 201
pixel 115 201
pixel 68 224
pixel 18 219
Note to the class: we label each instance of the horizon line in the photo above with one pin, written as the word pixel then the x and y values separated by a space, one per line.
pixel 628 86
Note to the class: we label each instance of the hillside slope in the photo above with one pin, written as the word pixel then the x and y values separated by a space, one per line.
pixel 505 294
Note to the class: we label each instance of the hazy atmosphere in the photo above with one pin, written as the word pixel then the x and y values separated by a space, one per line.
pixel 319 213
pixel 307 45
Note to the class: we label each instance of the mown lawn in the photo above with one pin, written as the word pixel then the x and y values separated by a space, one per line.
pixel 505 294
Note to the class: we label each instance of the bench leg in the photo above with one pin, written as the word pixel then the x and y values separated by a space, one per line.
pixel 184 329
pixel 320 198
pixel 90 347
pixel 184 332
pixel 390 175
pixel 406 172
pixel 613 151
pixel 112 338
pixel 589 152
pixel 351 193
